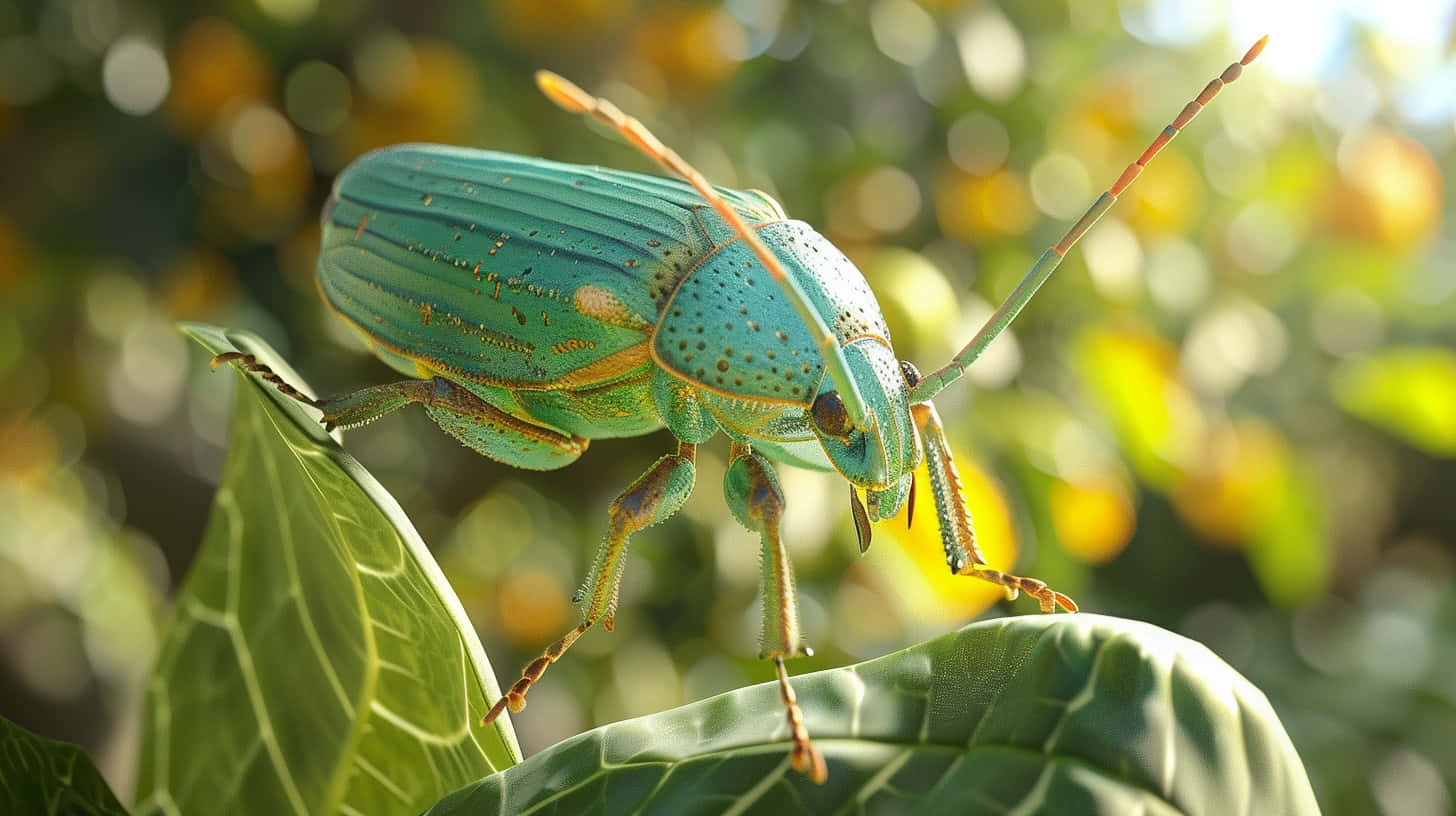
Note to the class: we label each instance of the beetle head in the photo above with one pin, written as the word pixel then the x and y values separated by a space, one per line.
pixel 880 459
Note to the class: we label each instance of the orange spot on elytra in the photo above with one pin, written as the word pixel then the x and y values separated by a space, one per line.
pixel 573 344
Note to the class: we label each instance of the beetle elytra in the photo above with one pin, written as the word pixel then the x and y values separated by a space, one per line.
pixel 535 306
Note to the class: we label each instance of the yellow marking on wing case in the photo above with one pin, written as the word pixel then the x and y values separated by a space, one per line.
pixel 603 370
pixel 574 344
pixel 601 304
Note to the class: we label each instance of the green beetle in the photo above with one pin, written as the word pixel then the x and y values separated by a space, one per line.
pixel 535 306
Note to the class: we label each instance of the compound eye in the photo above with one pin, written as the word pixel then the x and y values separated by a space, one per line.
pixel 910 373
pixel 829 415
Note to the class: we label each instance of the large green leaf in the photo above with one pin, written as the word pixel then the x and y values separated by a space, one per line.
pixel 41 776
pixel 1065 714
pixel 318 661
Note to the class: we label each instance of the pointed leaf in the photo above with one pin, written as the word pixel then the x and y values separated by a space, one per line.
pixel 318 661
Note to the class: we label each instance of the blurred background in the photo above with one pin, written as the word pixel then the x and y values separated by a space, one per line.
pixel 1232 413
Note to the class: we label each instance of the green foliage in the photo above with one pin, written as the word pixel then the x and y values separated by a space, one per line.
pixel 41 776
pixel 1037 714
pixel 318 661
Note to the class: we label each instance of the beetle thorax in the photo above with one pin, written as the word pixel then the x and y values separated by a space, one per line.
pixel 729 332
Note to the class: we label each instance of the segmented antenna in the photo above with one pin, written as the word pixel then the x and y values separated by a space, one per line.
pixel 1049 260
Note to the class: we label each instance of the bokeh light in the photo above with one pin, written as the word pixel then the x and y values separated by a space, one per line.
pixel 135 76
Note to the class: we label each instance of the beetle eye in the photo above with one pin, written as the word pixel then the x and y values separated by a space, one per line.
pixel 910 373
pixel 829 414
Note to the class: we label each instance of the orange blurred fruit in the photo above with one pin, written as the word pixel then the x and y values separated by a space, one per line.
pixel 1229 493
pixel 1094 517
pixel 1390 190
pixel 976 209
pixel 549 24
pixel 213 64
pixel 690 48
pixel 532 607
pixel 440 102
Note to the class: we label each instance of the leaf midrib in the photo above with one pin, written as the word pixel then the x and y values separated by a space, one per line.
pixel 361 713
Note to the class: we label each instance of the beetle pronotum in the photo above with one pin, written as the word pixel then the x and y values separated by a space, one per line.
pixel 537 305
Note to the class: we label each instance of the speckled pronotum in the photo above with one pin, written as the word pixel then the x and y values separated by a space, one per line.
pixel 535 306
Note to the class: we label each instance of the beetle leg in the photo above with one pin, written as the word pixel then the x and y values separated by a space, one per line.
pixel 498 435
pixel 956 531
pixel 655 495
pixel 461 413
pixel 754 496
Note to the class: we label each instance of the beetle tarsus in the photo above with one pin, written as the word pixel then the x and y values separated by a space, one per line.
pixel 250 364
pixel 1048 598
pixel 515 697
pixel 805 758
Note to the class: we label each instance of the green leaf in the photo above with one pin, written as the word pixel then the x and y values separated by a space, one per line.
pixel 1058 714
pixel 1408 391
pixel 318 661
pixel 43 776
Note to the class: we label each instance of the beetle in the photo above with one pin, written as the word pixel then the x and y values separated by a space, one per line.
pixel 534 306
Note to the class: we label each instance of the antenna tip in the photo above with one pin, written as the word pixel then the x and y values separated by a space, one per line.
pixel 1255 50
pixel 564 92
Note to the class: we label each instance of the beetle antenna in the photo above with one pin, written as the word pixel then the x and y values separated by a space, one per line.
pixel 1048 262
pixel 569 96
